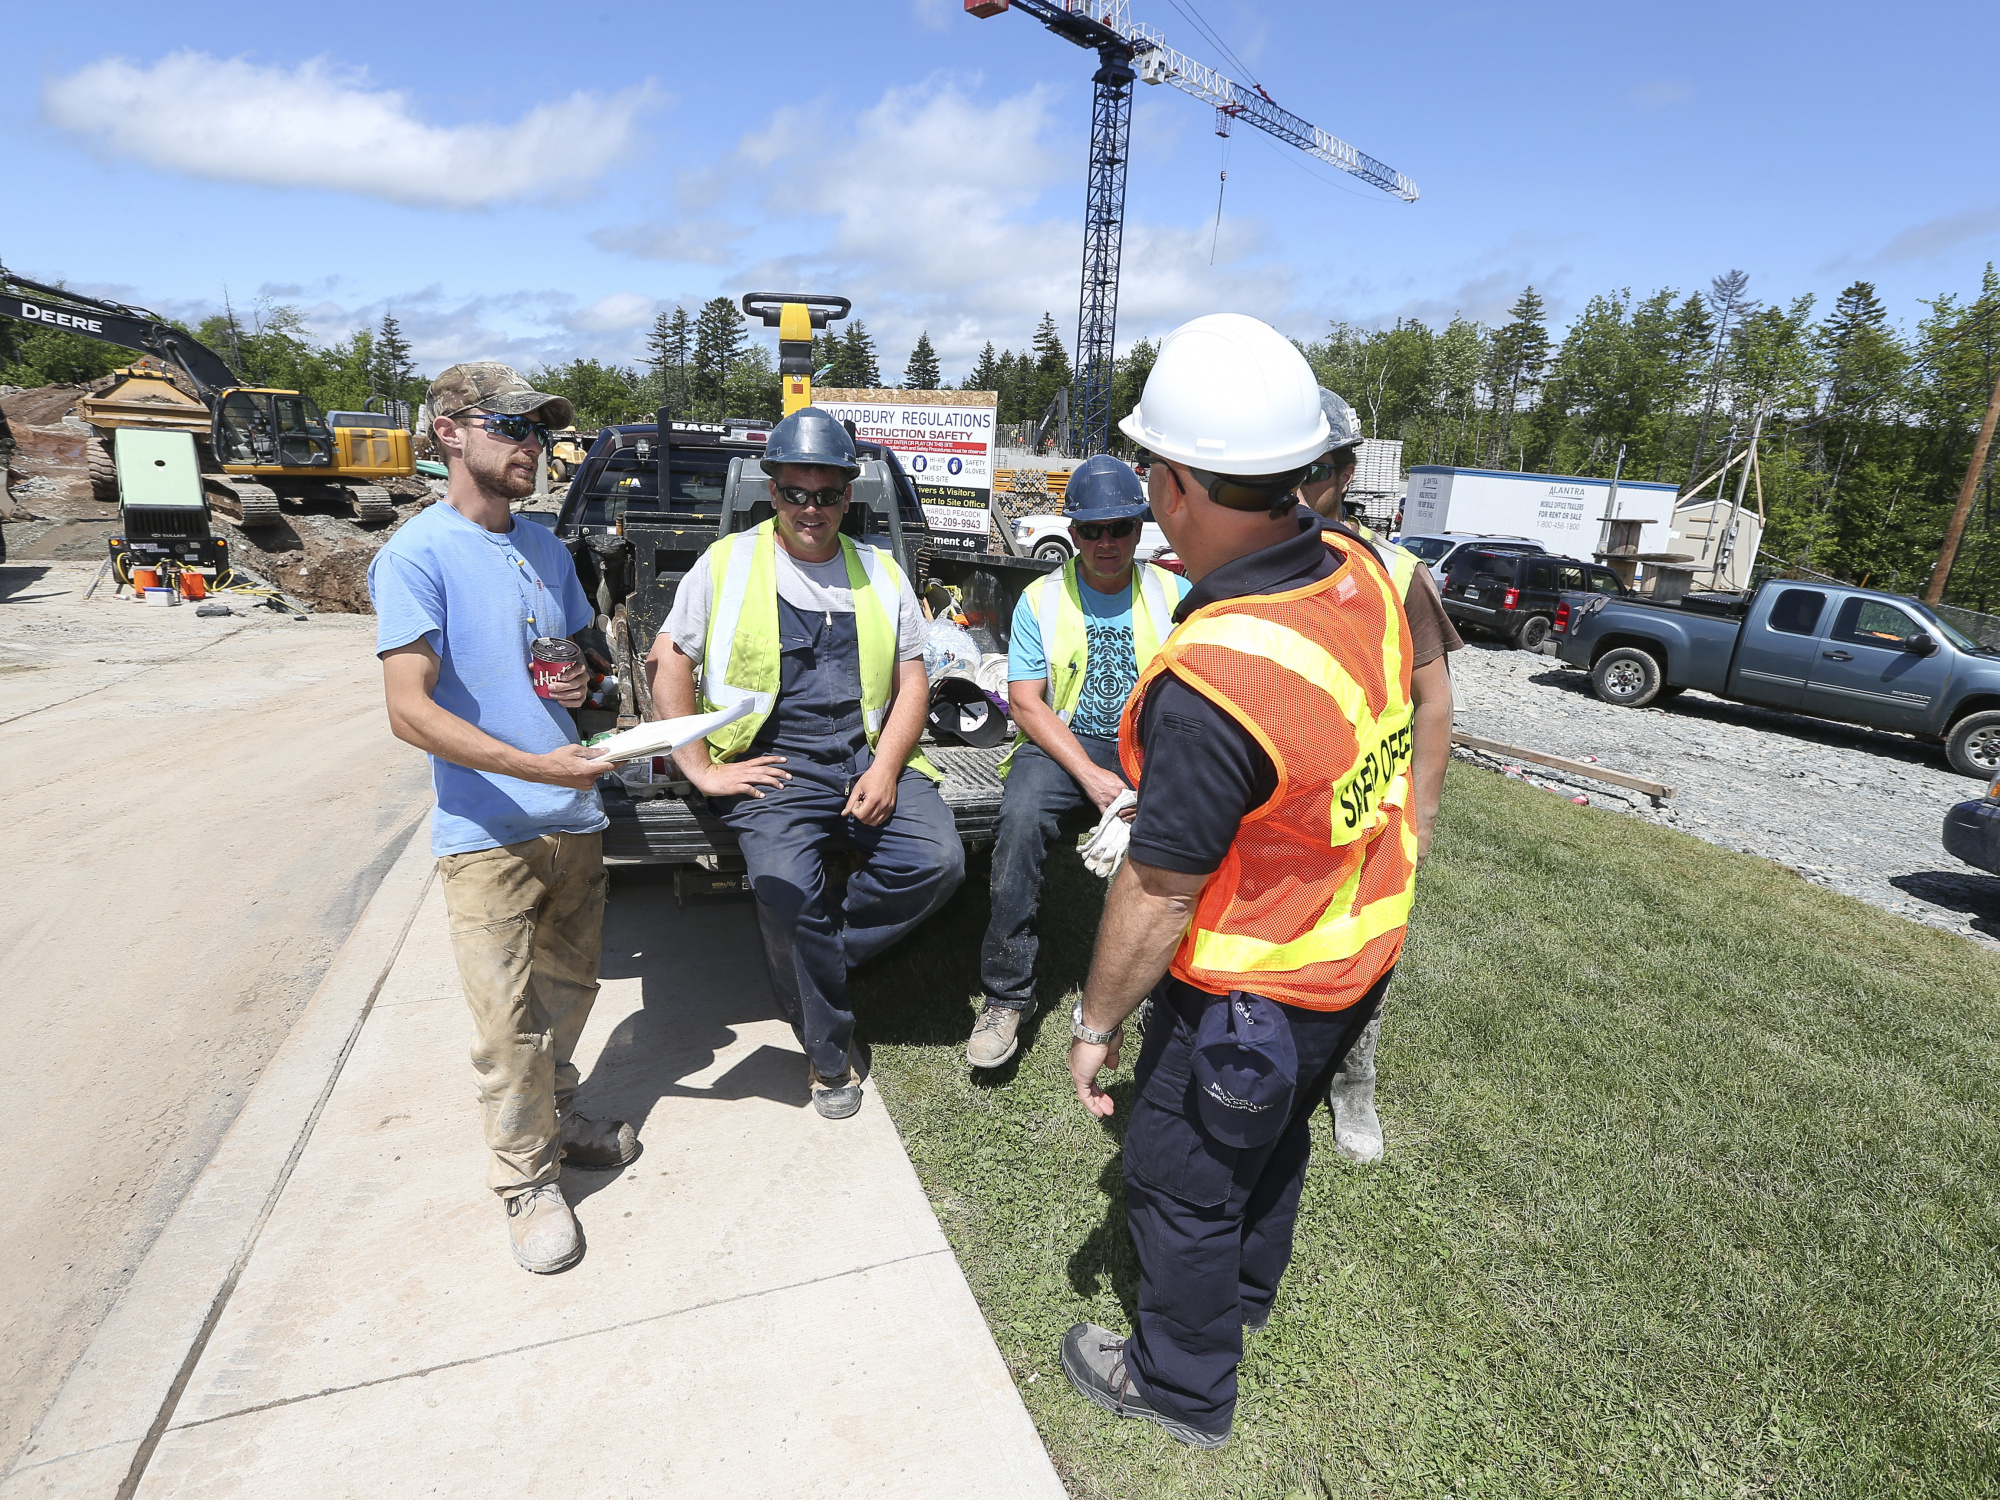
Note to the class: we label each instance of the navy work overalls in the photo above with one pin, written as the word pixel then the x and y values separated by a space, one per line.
pixel 907 868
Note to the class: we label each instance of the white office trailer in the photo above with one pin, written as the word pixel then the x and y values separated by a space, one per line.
pixel 1564 513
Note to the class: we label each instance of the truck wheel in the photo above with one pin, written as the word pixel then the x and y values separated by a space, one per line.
pixel 103 470
pixel 1627 677
pixel 1973 746
pixel 1532 632
pixel 1053 550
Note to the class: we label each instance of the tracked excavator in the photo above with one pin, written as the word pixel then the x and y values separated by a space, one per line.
pixel 258 446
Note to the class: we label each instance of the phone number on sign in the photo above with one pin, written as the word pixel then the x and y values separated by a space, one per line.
pixel 955 518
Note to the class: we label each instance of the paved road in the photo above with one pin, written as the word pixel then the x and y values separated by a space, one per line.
pixel 195 812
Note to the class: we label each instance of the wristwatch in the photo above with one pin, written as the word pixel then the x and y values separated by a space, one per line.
pixel 1084 1034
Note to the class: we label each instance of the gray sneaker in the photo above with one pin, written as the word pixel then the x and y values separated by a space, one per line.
pixel 995 1036
pixel 542 1230
pixel 1094 1360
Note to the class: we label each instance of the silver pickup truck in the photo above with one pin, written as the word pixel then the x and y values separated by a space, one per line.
pixel 1813 648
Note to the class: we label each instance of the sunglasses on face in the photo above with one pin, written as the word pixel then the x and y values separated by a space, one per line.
pixel 805 499
pixel 1092 531
pixel 513 429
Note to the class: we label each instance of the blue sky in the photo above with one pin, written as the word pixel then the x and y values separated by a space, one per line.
pixel 533 182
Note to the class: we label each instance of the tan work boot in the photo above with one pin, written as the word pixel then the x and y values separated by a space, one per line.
pixel 597 1145
pixel 995 1036
pixel 543 1230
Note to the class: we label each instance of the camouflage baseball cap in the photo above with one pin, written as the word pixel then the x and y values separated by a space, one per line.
pixel 491 386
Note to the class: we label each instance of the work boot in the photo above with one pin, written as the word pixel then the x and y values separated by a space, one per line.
pixel 836 1098
pixel 995 1036
pixel 1094 1360
pixel 543 1230
pixel 597 1145
pixel 1357 1129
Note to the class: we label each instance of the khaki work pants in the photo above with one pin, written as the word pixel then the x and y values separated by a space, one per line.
pixel 527 924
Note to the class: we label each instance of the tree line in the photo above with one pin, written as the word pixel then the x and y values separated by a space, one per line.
pixel 271 346
pixel 1867 429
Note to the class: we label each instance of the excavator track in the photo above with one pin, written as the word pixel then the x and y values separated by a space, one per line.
pixel 248 505
pixel 372 502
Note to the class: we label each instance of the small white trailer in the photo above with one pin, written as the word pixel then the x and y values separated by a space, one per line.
pixel 1563 512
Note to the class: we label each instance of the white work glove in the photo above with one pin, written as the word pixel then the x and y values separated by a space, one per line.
pixel 1104 850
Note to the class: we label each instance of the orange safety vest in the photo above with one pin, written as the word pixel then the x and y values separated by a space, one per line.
pixel 1310 904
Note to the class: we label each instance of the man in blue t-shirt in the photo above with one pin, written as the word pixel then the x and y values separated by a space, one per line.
pixel 1079 639
pixel 462 592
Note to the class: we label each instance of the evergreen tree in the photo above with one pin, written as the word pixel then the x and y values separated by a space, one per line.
pixel 670 346
pixel 391 370
pixel 1515 359
pixel 855 367
pixel 1129 380
pixel 719 342
pixel 985 374
pixel 922 373
pixel 1727 305
pixel 1051 369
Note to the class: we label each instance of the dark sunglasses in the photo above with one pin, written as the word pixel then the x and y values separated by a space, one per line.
pixel 806 499
pixel 1092 531
pixel 513 429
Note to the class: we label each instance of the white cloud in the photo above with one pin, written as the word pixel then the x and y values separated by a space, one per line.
pixel 617 312
pixel 1935 236
pixel 322 126
pixel 927 211
pixel 706 242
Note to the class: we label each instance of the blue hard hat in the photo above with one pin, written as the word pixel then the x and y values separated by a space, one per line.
pixel 811 436
pixel 1103 489
pixel 1246 1069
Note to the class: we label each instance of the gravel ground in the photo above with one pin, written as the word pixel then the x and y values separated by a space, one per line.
pixel 1853 809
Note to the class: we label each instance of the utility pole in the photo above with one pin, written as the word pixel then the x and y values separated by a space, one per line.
pixel 1956 529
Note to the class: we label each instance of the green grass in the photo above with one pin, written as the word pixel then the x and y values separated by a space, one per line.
pixel 1690 1189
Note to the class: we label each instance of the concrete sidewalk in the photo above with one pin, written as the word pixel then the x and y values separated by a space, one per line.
pixel 767 1306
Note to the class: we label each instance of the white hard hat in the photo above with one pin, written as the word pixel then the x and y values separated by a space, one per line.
pixel 1230 395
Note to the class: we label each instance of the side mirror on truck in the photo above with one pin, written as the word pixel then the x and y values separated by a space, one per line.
pixel 1923 643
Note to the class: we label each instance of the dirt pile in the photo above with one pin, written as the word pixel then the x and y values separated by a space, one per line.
pixel 314 554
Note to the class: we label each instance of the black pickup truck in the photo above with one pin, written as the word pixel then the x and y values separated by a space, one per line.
pixel 638 516
pixel 1814 648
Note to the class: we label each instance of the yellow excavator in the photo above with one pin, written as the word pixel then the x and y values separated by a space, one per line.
pixel 259 445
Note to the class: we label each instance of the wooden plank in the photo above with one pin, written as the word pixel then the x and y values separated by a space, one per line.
pixel 1590 769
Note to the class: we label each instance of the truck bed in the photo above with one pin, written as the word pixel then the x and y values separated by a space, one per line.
pixel 679 828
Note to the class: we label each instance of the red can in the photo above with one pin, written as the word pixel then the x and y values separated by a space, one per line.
pixel 548 658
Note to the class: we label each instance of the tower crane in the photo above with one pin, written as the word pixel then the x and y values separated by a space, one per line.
pixel 1106 27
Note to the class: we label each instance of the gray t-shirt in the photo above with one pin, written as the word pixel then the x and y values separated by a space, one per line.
pixel 817 587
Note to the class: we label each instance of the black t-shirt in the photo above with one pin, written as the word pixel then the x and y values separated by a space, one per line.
pixel 1204 771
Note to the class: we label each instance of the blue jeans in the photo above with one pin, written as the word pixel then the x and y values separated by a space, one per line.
pixel 1039 800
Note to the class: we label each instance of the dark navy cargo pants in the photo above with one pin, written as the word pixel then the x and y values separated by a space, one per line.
pixel 906 870
pixel 1213 1224
pixel 1040 800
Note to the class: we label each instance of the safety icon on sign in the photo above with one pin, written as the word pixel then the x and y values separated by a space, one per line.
pixel 919 463
pixel 954 464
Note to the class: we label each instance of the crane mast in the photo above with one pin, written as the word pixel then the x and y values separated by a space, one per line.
pixel 1106 27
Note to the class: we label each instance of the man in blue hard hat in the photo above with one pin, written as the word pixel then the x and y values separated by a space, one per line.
pixel 1079 640
pixel 822 637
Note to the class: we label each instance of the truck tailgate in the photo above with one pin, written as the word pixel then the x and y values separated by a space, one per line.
pixel 678 829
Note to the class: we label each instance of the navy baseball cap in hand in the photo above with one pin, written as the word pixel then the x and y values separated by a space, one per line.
pixel 1245 1070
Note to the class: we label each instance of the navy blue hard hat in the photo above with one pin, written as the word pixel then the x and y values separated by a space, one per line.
pixel 810 436
pixel 1246 1069
pixel 1103 489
